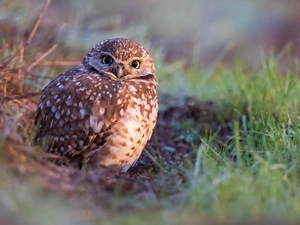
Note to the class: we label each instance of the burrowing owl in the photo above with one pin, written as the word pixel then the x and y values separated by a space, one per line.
pixel 103 111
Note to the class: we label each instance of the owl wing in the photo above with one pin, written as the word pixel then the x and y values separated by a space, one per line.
pixel 76 110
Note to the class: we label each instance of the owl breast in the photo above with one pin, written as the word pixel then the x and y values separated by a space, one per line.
pixel 130 133
pixel 102 122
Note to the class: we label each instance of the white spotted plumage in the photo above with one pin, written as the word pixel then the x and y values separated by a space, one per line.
pixel 101 113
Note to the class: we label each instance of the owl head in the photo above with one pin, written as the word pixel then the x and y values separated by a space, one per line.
pixel 121 58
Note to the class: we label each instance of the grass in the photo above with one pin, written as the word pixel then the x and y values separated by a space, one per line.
pixel 242 163
pixel 265 176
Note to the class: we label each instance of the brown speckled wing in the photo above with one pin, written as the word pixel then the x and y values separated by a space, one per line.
pixel 76 111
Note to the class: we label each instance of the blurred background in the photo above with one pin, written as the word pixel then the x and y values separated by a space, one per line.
pixel 199 32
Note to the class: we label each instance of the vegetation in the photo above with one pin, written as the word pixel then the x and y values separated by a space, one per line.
pixel 225 149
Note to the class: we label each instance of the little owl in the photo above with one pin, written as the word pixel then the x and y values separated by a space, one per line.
pixel 103 111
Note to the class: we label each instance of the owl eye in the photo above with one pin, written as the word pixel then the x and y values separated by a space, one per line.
pixel 107 59
pixel 135 64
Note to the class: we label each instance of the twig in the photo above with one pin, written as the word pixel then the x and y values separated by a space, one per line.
pixel 27 95
pixel 41 57
pixel 3 48
pixel 37 22
pixel 3 74
pixel 2 66
pixel 59 63
pixel 21 76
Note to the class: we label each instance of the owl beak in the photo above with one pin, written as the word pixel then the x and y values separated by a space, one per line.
pixel 119 70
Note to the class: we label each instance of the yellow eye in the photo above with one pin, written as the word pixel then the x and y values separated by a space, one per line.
pixel 135 64
pixel 107 59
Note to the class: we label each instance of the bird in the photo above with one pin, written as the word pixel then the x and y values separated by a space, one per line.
pixel 102 112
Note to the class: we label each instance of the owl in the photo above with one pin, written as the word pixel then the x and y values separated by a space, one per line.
pixel 102 112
